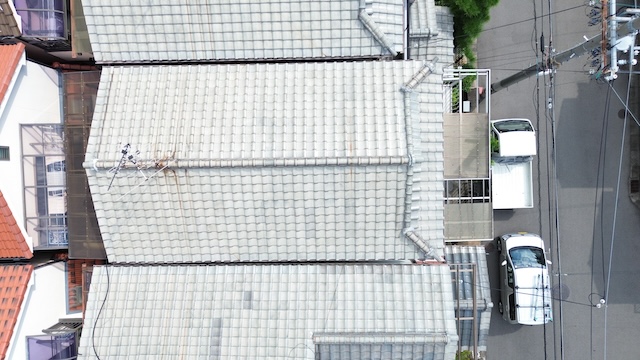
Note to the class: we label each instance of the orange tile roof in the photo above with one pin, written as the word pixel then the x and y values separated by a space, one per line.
pixel 12 242
pixel 9 59
pixel 13 286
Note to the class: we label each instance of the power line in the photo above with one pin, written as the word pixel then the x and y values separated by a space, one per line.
pixel 626 106
pixel 599 194
pixel 524 292
pixel 513 23
pixel 530 19
pixel 615 211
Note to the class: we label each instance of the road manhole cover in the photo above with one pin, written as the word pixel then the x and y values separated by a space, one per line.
pixel 560 292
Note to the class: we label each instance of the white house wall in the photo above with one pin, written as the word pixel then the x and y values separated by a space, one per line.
pixel 35 99
pixel 45 302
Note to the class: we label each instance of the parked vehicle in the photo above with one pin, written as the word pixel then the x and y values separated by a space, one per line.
pixel 525 296
pixel 513 145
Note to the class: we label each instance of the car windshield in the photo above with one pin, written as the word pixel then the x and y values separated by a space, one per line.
pixel 513 125
pixel 527 257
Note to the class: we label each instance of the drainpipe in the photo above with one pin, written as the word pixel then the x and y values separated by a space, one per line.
pixel 405 32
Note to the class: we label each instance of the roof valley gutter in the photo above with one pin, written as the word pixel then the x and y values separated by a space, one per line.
pixel 242 61
pixel 279 263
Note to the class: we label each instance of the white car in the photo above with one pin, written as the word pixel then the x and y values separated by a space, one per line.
pixel 525 296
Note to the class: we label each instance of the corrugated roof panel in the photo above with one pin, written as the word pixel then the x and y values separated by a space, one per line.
pixel 239 30
pixel 466 257
pixel 269 311
pixel 472 255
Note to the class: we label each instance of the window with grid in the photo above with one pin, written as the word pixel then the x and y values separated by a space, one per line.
pixel 4 153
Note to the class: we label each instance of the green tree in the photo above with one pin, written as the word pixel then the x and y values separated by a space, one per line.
pixel 469 16
pixel 464 355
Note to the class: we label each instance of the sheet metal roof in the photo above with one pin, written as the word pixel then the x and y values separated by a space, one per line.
pixel 278 162
pixel 269 311
pixel 12 243
pixel 13 286
pixel 464 289
pixel 135 31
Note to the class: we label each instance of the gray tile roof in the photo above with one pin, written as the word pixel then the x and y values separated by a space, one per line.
pixel 269 311
pixel 136 31
pixel 428 38
pixel 422 20
pixel 279 162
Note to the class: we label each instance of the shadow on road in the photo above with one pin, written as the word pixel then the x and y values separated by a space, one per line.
pixel 587 173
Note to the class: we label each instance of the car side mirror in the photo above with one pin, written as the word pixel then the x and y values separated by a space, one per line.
pixel 504 263
pixel 549 262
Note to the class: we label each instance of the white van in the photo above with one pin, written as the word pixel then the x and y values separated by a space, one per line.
pixel 525 296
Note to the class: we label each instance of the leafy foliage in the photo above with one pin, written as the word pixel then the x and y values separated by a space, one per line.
pixel 464 355
pixel 455 99
pixel 495 144
pixel 469 16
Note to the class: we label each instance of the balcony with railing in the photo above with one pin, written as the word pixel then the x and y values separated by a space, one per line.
pixel 45 190
pixel 43 18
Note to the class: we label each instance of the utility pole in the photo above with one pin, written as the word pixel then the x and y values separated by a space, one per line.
pixel 631 27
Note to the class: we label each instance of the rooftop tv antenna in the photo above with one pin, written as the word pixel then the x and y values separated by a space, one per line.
pixel 127 156
pixel 130 156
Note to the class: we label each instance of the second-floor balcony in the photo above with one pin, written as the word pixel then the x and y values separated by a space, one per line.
pixel 43 18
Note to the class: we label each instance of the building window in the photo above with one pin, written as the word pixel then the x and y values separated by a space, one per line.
pixel 42 18
pixel 4 153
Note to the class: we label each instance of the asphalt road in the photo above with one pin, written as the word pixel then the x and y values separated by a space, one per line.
pixel 584 180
